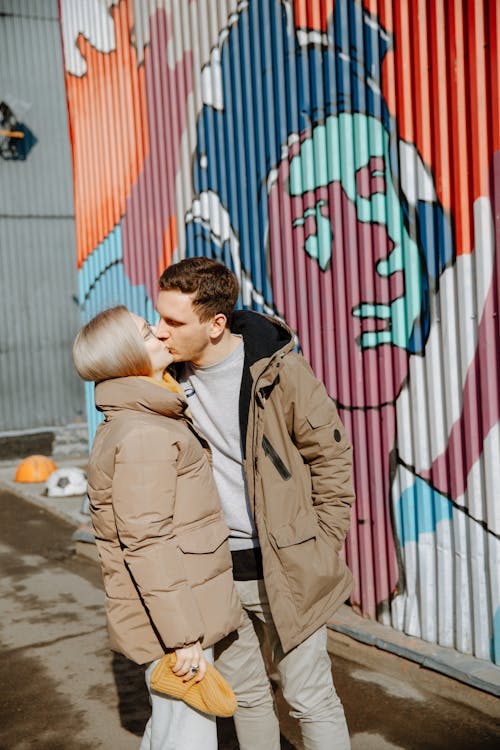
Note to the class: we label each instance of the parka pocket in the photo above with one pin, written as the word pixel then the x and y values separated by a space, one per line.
pixel 303 528
pixel 318 418
pixel 205 552
pixel 308 566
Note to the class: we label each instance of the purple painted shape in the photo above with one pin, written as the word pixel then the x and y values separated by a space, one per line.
pixel 152 199
pixel 481 392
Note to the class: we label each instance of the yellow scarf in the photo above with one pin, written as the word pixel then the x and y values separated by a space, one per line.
pixel 171 383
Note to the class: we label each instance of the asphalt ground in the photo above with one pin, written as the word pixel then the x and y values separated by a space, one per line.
pixel 62 689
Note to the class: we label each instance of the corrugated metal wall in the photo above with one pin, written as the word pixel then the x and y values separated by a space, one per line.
pixel 343 158
pixel 38 312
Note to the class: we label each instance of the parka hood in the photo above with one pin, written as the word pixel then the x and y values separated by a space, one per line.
pixel 263 336
pixel 265 340
pixel 139 394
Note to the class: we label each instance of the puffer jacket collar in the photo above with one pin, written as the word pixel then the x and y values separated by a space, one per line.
pixel 266 341
pixel 139 394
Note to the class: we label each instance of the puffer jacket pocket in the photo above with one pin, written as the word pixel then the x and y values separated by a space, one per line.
pixel 309 566
pixel 205 551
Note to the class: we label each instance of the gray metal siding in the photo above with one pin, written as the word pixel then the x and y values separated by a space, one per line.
pixel 38 314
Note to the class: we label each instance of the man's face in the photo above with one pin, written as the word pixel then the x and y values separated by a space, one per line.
pixel 187 338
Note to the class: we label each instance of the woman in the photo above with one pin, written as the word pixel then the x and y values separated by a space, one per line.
pixel 159 529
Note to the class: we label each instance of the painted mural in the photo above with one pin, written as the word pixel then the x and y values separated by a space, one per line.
pixel 343 157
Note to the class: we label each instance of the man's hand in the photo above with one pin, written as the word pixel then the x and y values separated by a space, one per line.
pixel 190 662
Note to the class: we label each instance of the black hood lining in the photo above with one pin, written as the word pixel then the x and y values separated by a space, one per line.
pixel 262 337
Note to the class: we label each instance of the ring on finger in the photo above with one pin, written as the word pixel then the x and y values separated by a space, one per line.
pixel 195 668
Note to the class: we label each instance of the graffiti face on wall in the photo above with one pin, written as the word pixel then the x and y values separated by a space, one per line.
pixel 345 213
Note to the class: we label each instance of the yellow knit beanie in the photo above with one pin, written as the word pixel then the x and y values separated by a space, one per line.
pixel 212 695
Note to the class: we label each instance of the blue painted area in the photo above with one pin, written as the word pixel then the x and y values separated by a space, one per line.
pixel 436 238
pixel 418 511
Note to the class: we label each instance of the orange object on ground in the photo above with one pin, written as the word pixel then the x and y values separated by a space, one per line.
pixel 35 469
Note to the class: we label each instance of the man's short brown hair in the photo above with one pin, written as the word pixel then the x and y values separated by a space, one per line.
pixel 214 287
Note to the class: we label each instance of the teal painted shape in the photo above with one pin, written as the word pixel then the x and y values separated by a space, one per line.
pixel 102 282
pixel 495 639
pixel 418 511
pixel 109 252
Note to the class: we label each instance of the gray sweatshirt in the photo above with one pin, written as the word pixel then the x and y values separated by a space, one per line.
pixel 213 393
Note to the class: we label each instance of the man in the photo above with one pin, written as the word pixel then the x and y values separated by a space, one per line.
pixel 282 464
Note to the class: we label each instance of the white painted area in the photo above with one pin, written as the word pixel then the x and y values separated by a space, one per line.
pixel 463 598
pixel 427 585
pixel 307 37
pixel 445 593
pixel 484 249
pixel 405 608
pixel 479 578
pixel 91 18
pixel 416 180
pixel 439 375
pixel 211 81
pixel 209 211
pixel 451 577
pixel 494 570
pixel 490 496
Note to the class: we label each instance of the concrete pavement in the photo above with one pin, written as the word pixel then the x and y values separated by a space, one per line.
pixel 376 656
pixel 62 689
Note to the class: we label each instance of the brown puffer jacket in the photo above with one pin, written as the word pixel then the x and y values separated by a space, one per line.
pixel 160 534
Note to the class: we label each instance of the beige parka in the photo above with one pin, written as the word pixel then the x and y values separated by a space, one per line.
pixel 160 534
pixel 298 465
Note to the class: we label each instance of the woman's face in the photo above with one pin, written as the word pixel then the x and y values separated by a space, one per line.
pixel 157 350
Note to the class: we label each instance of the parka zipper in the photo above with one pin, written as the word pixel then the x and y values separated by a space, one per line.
pixel 275 458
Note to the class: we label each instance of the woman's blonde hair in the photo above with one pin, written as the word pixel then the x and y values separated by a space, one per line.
pixel 110 346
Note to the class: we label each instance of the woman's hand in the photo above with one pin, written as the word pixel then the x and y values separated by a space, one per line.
pixel 190 662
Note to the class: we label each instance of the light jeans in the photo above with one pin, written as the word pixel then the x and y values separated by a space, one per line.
pixel 305 675
pixel 176 726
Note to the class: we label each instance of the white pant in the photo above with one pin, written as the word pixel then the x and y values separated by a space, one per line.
pixel 174 725
pixel 305 674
